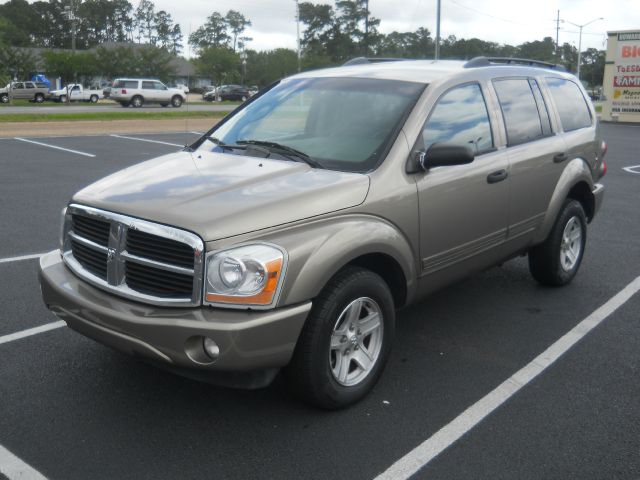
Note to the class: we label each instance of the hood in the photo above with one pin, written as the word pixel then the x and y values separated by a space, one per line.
pixel 219 195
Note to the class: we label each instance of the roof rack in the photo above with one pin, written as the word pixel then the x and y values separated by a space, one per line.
pixel 487 61
pixel 363 60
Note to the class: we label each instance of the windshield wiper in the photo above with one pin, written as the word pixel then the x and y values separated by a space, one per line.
pixel 223 145
pixel 283 148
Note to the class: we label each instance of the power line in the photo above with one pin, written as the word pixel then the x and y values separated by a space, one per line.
pixel 479 12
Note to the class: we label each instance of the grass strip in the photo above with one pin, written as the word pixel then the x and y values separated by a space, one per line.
pixel 105 116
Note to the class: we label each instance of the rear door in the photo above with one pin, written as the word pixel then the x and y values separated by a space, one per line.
pixel 535 154
pixel 463 208
pixel 149 91
pixel 19 90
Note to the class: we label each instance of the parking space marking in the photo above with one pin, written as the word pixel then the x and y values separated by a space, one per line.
pixel 633 169
pixel 12 337
pixel 147 140
pixel 23 257
pixel 420 456
pixel 55 147
pixel 13 468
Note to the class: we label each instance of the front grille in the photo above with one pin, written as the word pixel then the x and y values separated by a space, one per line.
pixel 157 282
pixel 90 228
pixel 134 258
pixel 160 249
pixel 95 261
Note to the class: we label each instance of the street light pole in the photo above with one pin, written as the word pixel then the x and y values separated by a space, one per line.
pixel 437 55
pixel 298 30
pixel 580 40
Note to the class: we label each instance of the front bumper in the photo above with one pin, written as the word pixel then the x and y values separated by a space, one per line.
pixel 248 340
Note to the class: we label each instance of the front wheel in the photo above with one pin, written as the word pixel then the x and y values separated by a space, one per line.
pixel 556 261
pixel 345 342
pixel 39 98
pixel 93 99
pixel 63 99
pixel 176 101
pixel 4 98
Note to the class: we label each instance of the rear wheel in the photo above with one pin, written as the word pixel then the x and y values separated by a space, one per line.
pixel 4 98
pixel 243 98
pixel 176 101
pixel 93 99
pixel 39 98
pixel 63 99
pixel 556 261
pixel 345 342
pixel 137 101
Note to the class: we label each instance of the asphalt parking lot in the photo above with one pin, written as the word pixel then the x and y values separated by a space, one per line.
pixel 73 409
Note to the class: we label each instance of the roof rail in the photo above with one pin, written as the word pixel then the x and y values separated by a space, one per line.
pixel 486 61
pixel 363 60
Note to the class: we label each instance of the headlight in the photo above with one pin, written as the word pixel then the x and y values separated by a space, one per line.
pixel 245 276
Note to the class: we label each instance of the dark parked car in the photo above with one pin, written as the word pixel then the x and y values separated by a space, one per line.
pixel 232 92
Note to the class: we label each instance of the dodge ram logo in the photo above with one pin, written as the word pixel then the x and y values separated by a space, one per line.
pixel 111 254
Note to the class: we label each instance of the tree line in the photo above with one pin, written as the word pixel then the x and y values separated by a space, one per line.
pixel 330 36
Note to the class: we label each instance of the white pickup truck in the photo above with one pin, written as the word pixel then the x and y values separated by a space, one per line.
pixel 77 93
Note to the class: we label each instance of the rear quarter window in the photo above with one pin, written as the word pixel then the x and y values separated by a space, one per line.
pixel 571 104
pixel 519 109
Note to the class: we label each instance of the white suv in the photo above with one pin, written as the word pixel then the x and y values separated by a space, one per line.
pixel 138 91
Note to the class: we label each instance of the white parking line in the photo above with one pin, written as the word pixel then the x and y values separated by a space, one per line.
pixel 31 331
pixel 633 169
pixel 13 468
pixel 23 257
pixel 147 140
pixel 420 456
pixel 55 146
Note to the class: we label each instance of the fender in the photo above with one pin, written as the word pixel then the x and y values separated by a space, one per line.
pixel 318 250
pixel 575 172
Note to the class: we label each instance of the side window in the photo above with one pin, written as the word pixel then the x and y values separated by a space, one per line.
pixel 570 102
pixel 131 84
pixel 159 86
pixel 29 85
pixel 460 116
pixel 148 86
pixel 76 88
pixel 519 110
pixel 18 86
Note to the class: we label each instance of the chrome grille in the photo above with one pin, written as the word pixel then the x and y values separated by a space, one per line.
pixel 134 258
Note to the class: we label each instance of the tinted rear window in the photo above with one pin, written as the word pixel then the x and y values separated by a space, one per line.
pixel 519 109
pixel 571 104
pixel 125 84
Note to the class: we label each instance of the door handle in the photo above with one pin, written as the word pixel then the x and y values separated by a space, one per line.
pixel 560 157
pixel 496 177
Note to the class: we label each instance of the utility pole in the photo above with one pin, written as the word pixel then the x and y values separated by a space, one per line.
pixel 580 40
pixel 437 56
pixel 298 30
pixel 366 30
pixel 557 35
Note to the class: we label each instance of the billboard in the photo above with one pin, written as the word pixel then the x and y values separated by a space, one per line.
pixel 626 74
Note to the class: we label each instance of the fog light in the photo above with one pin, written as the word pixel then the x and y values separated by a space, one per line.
pixel 211 348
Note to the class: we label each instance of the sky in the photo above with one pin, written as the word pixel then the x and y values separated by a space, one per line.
pixel 501 21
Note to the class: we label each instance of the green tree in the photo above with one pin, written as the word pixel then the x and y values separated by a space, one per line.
pixel 263 68
pixel 539 50
pixel 155 62
pixel 221 64
pixel 212 34
pixel 17 62
pixel 592 67
pixel 237 24
pixel 116 62
pixel 168 34
pixel 70 67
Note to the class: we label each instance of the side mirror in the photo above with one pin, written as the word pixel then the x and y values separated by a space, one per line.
pixel 444 154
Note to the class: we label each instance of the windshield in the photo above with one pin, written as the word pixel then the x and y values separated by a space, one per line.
pixel 340 123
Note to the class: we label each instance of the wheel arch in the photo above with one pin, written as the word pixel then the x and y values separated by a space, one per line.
pixel 576 182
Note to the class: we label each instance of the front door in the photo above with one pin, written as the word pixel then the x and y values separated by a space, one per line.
pixel 463 208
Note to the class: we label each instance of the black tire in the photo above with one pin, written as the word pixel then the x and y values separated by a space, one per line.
pixel 548 263
pixel 243 98
pixel 4 98
pixel 124 104
pixel 176 101
pixel 309 373
pixel 39 98
pixel 63 99
pixel 137 101
pixel 93 98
